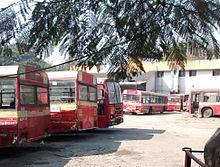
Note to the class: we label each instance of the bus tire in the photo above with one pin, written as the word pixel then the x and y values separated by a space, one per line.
pixel 207 112
pixel 150 110
pixel 161 112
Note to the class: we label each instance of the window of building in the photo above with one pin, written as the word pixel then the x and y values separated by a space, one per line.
pixel 182 73
pixel 160 74
pixel 216 72
pixel 192 73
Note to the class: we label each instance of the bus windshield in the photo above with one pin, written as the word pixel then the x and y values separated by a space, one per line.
pixel 62 91
pixel 174 100
pixel 7 93
pixel 114 93
pixel 131 97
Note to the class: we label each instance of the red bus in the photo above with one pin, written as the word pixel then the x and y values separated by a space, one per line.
pixel 177 102
pixel 205 102
pixel 24 105
pixel 110 107
pixel 73 100
pixel 143 102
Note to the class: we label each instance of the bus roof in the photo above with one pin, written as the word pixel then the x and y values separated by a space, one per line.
pixel 205 89
pixel 77 75
pixel 139 92
pixel 9 70
pixel 102 80
pixel 177 95
pixel 62 74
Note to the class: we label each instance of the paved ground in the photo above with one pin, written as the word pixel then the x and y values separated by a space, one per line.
pixel 141 141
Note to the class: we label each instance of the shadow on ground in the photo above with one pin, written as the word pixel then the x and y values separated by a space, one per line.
pixel 156 113
pixel 64 147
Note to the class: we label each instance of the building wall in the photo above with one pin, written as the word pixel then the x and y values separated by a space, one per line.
pixel 203 79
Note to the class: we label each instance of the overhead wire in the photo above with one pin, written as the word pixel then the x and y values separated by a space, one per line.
pixel 42 69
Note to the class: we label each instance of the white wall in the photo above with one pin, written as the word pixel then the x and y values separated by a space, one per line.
pixel 203 79
pixel 164 83
pixel 151 81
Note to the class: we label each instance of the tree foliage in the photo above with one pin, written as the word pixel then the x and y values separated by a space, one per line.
pixel 123 33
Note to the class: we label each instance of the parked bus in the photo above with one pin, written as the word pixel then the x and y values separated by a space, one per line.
pixel 24 105
pixel 143 102
pixel 177 102
pixel 73 100
pixel 110 107
pixel 205 102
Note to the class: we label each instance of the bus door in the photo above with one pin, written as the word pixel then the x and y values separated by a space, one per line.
pixel 181 103
pixel 195 102
pixel 101 99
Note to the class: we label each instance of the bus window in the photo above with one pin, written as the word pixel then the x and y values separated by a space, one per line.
pixel 112 97
pixel 100 90
pixel 118 92
pixel 7 90
pixel 148 99
pixel 42 97
pixel 176 100
pixel 92 93
pixel 27 95
pixel 217 98
pixel 83 94
pixel 135 98
pixel 126 97
pixel 62 91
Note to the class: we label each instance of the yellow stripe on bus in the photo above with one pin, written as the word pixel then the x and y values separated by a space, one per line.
pixel 65 106
pixel 85 103
pixel 19 114
pixel 8 114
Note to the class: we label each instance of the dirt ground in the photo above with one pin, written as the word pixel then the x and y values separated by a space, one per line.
pixel 141 141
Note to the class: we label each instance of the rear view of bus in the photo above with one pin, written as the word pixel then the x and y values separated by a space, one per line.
pixel 24 109
pixel 132 102
pixel 175 102
pixel 178 102
pixel 73 98
pixel 110 108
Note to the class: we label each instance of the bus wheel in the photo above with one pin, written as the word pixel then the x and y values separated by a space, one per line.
pixel 150 110
pixel 207 112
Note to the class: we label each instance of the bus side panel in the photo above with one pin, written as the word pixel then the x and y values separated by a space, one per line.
pixel 216 109
pixel 214 106
pixel 87 115
pixel 142 108
pixel 158 108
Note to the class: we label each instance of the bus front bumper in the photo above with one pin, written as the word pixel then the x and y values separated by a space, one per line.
pixel 115 122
